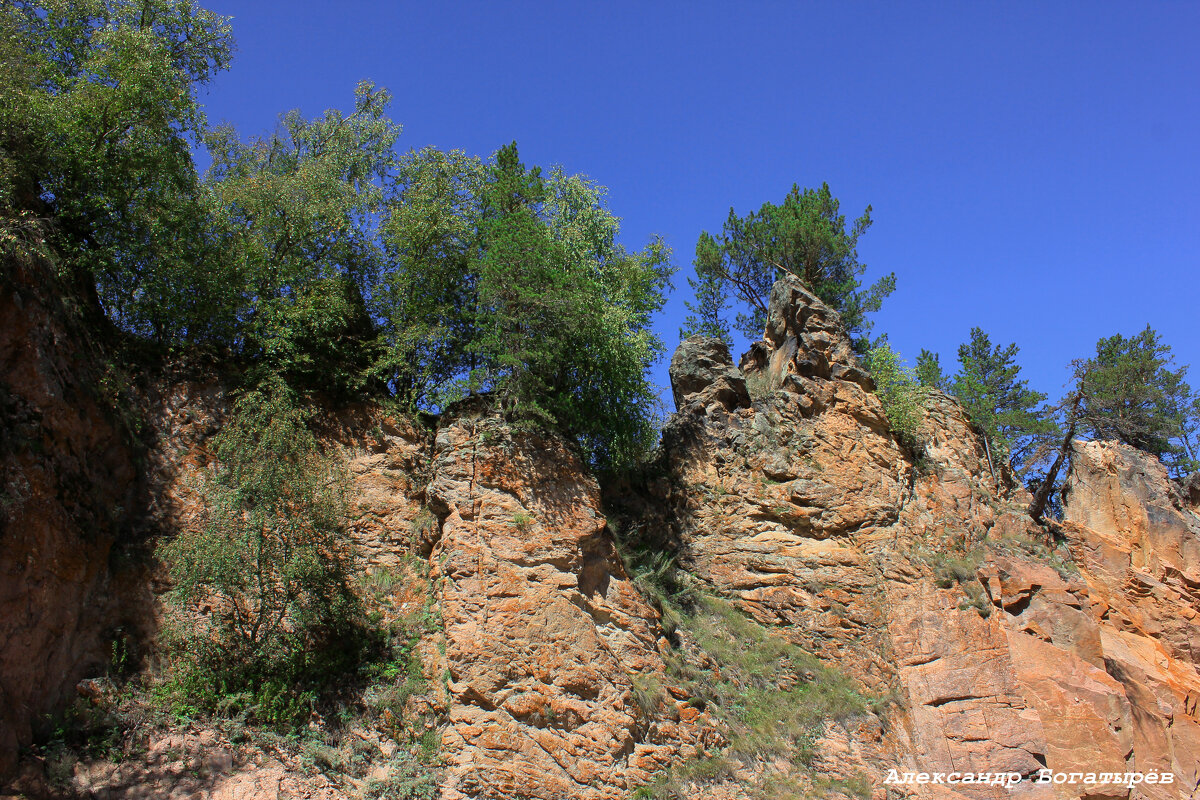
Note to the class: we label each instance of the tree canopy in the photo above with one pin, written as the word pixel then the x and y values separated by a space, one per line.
pixel 296 216
pixel 1129 393
pixel 97 116
pixel 806 236
pixel 545 309
pixel 1001 404
pixel 929 371
pixel 319 253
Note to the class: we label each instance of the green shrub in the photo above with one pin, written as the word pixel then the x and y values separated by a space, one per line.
pixel 262 610
pixel 648 693
pixel 902 395
pixel 758 385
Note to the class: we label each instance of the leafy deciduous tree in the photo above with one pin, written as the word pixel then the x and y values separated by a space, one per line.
pixel 297 214
pixel 425 297
pixel 273 565
pixel 564 311
pixel 502 278
pixel 96 113
pixel 902 394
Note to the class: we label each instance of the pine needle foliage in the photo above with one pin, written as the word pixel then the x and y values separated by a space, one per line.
pixel 929 371
pixel 806 236
pixel 1130 393
pixel 1007 411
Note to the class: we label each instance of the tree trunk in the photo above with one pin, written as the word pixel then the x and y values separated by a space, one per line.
pixel 987 448
pixel 1037 508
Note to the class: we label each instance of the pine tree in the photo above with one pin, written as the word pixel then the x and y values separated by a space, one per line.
pixel 1131 394
pixel 929 371
pixel 1128 393
pixel 807 236
pixel 1003 406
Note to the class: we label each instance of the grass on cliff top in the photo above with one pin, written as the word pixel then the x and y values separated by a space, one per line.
pixel 772 698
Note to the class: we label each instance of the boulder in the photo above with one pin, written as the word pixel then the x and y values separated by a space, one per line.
pixel 702 372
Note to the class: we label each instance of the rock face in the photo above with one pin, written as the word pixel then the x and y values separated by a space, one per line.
pixel 702 372
pixel 804 337
pixel 1190 489
pixel 67 484
pixel 924 577
pixel 1137 543
pixel 545 635
pixel 991 643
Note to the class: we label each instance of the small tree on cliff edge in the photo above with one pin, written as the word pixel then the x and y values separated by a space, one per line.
pixel 807 237
pixel 929 371
pixel 1004 407
pixel 262 602
pixel 563 311
pixel 1128 392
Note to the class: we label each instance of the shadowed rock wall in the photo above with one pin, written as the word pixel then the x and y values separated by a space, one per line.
pixel 67 491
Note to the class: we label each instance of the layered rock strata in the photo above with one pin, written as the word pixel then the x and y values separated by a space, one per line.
pixel 545 634
pixel 920 573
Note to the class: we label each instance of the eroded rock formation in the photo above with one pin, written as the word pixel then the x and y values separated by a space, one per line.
pixel 924 575
pixel 545 634
pixel 993 644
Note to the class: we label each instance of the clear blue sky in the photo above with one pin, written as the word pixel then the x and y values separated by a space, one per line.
pixel 1033 167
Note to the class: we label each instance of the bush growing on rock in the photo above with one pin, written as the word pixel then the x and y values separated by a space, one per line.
pixel 262 605
pixel 902 395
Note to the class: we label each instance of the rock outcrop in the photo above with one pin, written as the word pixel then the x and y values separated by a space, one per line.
pixel 545 634
pixel 989 643
pixel 920 574
pixel 68 492
pixel 702 372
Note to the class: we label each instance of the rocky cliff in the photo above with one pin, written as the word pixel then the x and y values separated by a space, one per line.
pixel 921 574
pixel 68 495
pixel 790 602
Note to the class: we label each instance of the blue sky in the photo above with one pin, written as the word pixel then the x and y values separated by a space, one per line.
pixel 1033 167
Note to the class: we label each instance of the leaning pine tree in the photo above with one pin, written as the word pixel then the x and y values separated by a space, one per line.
pixel 1128 392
